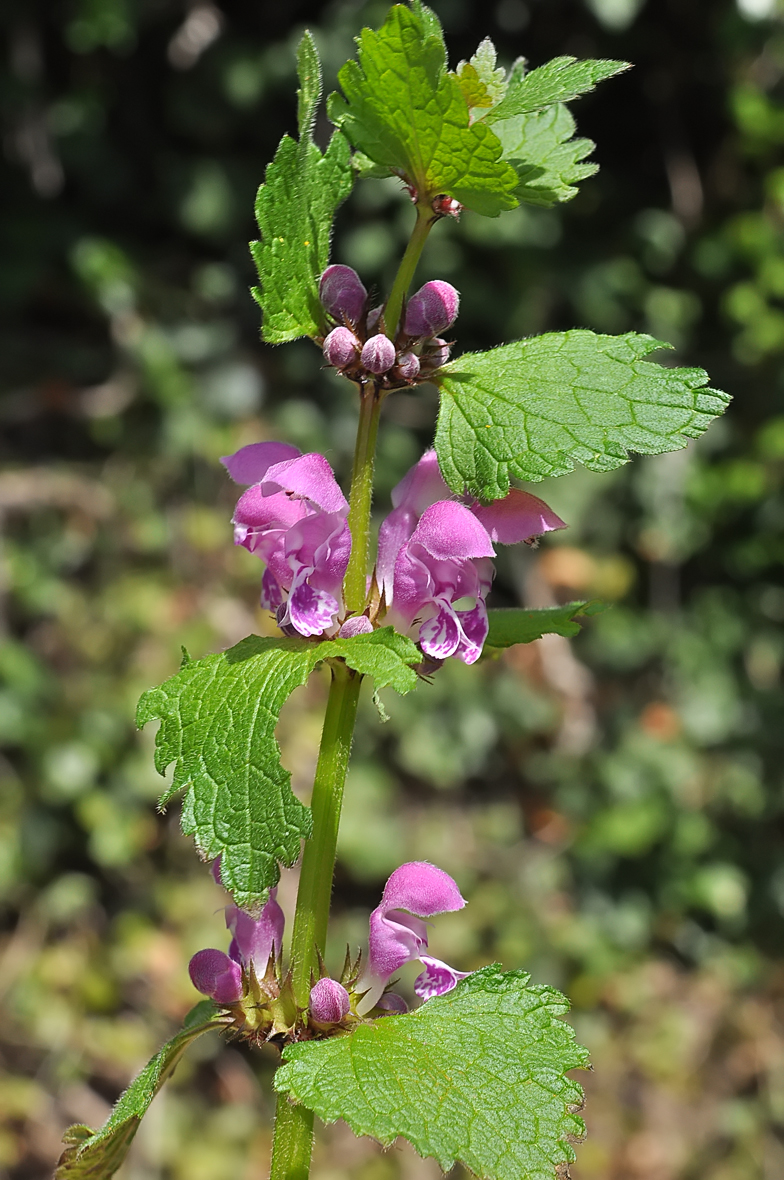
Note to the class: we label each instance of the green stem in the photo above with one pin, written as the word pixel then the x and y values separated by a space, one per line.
pixel 292 1142
pixel 293 1139
pixel 318 860
pixel 361 499
pixel 424 222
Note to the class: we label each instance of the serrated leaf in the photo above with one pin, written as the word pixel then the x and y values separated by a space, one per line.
pixel 559 80
pixel 475 1076
pixel 96 1155
pixel 218 717
pixel 536 129
pixel 481 83
pixel 548 162
pixel 295 208
pixel 406 113
pixel 511 625
pixel 309 93
pixel 536 407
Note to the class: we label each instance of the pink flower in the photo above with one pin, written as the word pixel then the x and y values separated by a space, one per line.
pixel 255 939
pixel 434 550
pixel 216 975
pixel 294 518
pixel 398 934
pixel 219 975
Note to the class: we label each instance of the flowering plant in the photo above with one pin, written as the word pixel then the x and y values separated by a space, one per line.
pixel 476 1072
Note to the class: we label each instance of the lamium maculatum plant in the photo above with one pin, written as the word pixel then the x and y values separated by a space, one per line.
pixel 477 1071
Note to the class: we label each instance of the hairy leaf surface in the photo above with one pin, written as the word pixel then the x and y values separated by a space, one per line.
pixel 538 406
pixel 511 625
pixel 549 163
pixel 559 80
pixel 218 717
pixel 476 1076
pixel 96 1155
pixel 481 82
pixel 536 128
pixel 406 113
pixel 295 208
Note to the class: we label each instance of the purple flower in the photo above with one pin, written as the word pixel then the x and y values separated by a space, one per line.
pixel 434 551
pixel 216 975
pixel 378 354
pixel 255 939
pixel 432 309
pixel 341 348
pixel 436 978
pixel 342 293
pixel 294 519
pixel 329 1001
pixel 398 933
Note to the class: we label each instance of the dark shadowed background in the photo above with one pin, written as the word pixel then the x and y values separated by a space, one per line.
pixel 612 807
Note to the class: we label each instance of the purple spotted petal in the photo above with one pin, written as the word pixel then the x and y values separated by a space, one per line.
pixel 436 978
pixel 397 932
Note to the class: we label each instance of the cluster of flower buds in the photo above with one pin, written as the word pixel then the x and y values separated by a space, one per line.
pixel 359 347
pixel 249 983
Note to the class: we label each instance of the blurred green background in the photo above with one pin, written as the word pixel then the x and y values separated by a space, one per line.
pixel 612 807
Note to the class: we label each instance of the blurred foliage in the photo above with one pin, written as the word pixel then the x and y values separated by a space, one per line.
pixel 613 806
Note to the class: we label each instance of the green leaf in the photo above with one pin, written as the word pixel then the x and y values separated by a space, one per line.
pixel 295 208
pixel 512 625
pixel 218 717
pixel 548 162
pixel 560 80
pixel 536 407
pixel 536 129
pixel 96 1155
pixel 475 1076
pixel 406 113
pixel 481 83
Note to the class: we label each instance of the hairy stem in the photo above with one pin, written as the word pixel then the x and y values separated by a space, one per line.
pixel 292 1142
pixel 408 264
pixel 318 861
pixel 361 499
pixel 293 1139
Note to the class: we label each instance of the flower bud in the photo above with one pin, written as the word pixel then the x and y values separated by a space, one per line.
pixel 408 365
pixel 340 348
pixel 373 316
pixel 215 975
pixel 342 293
pixel 432 309
pixel 392 1002
pixel 438 353
pixel 356 625
pixel 378 354
pixel 329 1002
